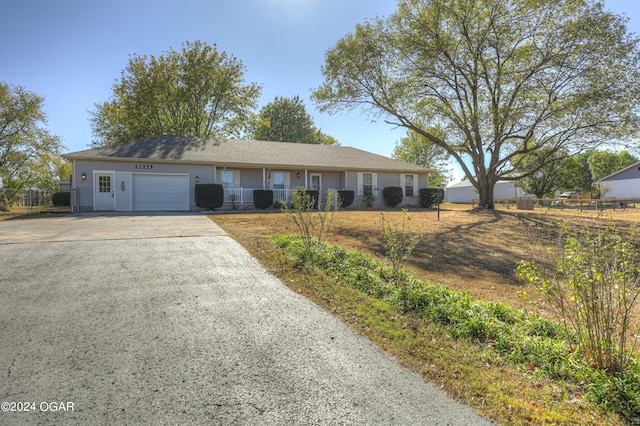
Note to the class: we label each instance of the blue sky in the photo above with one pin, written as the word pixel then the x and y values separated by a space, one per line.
pixel 72 51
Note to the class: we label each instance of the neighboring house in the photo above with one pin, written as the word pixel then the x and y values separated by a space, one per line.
pixel 624 183
pixel 160 173
pixel 464 192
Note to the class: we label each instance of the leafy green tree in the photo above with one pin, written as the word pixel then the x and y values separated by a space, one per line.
pixel 196 92
pixel 603 163
pixel 502 78
pixel 546 170
pixel 416 149
pixel 26 146
pixel 586 181
pixel 46 172
pixel 287 120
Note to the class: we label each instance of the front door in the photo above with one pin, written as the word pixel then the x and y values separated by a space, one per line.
pixel 316 183
pixel 105 197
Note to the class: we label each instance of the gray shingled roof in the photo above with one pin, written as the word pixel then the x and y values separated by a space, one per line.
pixel 619 172
pixel 250 153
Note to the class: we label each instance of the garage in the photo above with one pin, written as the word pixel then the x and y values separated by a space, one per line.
pixel 160 192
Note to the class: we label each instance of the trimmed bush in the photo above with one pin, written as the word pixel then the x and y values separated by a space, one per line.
pixel 262 198
pixel 392 195
pixel 61 199
pixel 209 195
pixel 346 198
pixel 431 196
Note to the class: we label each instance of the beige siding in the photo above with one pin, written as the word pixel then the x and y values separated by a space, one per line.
pixel 85 188
pixel 122 187
pixel 248 178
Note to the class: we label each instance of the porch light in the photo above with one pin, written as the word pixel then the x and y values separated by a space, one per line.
pixel 197 179
pixel 84 176
pixel 298 174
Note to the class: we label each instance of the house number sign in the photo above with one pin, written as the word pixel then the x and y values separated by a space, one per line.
pixel 144 166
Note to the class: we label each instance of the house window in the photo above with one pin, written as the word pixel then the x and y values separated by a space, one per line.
pixel 367 184
pixel 408 185
pixel 104 183
pixel 278 180
pixel 226 178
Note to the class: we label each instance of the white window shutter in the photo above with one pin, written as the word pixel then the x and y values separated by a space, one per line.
pixel 360 183
pixel 236 178
pixel 374 180
pixel 403 182
pixel 287 180
pixel 415 185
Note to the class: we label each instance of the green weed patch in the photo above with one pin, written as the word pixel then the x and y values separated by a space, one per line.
pixel 536 346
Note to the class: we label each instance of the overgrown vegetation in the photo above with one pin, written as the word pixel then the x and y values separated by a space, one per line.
pixel 310 216
pixel 531 343
pixel 399 241
pixel 369 196
pixel 591 278
pixel 593 287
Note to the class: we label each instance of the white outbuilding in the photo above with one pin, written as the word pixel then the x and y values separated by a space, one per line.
pixel 464 192
pixel 624 183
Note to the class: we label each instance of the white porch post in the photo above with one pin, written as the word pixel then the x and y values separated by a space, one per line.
pixel 264 178
pixel 74 188
pixel 306 175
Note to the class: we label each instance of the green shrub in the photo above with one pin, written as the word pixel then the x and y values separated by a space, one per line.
pixel 315 196
pixel 594 286
pixel 392 195
pixel 61 199
pixel 311 222
pixel 399 242
pixel 346 198
pixel 431 196
pixel 262 198
pixel 369 196
pixel 532 343
pixel 281 204
pixel 209 195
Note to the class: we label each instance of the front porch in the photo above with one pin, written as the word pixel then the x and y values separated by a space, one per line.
pixel 244 196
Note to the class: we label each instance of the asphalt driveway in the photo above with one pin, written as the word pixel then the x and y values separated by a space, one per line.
pixel 164 319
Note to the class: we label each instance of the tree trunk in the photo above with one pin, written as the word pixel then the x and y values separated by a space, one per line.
pixel 485 192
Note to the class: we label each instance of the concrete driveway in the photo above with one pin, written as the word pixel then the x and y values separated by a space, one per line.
pixel 164 319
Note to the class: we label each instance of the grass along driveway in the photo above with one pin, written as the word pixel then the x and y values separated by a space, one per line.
pixel 472 251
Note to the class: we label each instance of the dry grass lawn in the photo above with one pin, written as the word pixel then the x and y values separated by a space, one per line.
pixel 474 251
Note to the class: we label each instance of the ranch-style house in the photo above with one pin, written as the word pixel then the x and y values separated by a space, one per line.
pixel 160 173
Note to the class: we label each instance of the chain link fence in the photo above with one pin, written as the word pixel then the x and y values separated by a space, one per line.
pixel 526 203
pixel 28 198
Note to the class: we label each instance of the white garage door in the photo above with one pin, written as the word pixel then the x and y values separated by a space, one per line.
pixel 160 192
